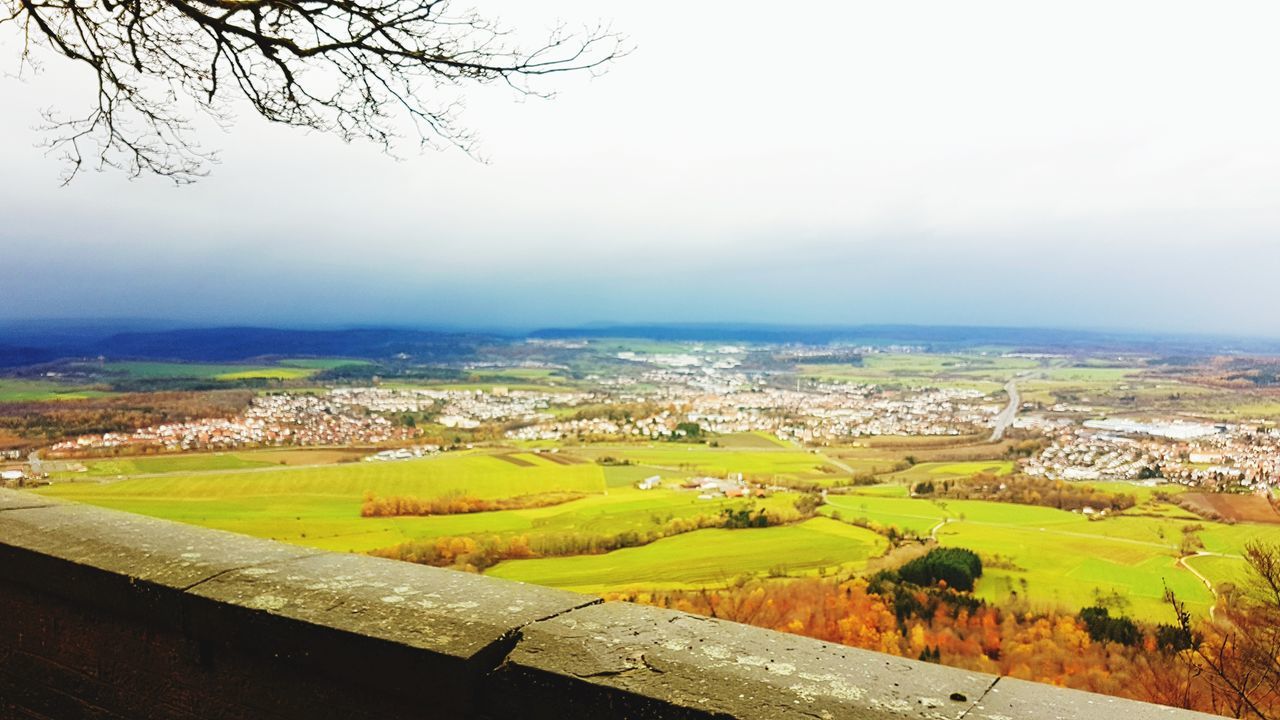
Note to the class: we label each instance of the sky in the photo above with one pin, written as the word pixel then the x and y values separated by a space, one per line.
pixel 1084 165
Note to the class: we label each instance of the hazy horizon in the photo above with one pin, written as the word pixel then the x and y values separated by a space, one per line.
pixel 44 327
pixel 992 164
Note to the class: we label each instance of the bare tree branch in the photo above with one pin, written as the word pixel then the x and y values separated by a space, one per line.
pixel 354 68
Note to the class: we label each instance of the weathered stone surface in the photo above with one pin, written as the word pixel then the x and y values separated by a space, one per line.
pixel 120 561
pixel 64 659
pixel 16 499
pixel 377 623
pixel 1012 699
pixel 110 615
pixel 134 546
pixel 626 661
pixel 441 611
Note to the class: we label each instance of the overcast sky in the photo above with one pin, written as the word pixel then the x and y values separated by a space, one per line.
pixel 1085 164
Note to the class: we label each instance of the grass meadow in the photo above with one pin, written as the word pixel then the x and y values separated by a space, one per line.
pixel 14 390
pixel 758 461
pixel 1053 557
pixel 208 371
pixel 1045 556
pixel 706 558
pixel 320 506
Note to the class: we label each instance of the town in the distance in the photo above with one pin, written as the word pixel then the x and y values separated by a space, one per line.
pixel 1029 504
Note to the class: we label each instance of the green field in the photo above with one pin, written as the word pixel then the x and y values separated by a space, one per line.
pixel 321 363
pixel 1047 556
pixel 1063 563
pixel 1255 407
pixel 706 558
pixel 268 373
pixel 942 470
pixel 985 373
pixel 751 440
pixel 522 373
pixel 13 391
pixel 145 465
pixel 320 506
pixel 688 458
pixel 287 370
pixel 1143 493
pixel 1064 557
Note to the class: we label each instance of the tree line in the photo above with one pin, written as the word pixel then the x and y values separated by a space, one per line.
pixel 1025 490
pixel 475 553
pixel 457 504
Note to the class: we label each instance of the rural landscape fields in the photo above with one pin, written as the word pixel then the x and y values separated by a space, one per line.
pixel 763 483
pixel 1051 557
pixel 1054 557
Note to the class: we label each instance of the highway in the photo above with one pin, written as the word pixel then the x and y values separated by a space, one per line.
pixel 1006 416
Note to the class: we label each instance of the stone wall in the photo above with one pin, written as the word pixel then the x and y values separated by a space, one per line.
pixel 110 615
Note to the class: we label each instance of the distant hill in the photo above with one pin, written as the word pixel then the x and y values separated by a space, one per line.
pixel 230 344
pixel 937 338
pixel 32 344
pixel 239 343
pixel 15 356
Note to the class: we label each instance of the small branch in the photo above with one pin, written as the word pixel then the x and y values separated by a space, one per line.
pixel 358 69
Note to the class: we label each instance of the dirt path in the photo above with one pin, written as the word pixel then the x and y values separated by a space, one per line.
pixel 933 533
pixel 1207 583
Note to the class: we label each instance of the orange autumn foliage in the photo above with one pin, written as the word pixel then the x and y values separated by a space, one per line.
pixel 954 628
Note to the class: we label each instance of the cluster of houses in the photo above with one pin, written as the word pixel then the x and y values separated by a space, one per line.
pixel 270 420
pixel 733 403
pixel 724 357
pixel 409 453
pixel 734 485
pixel 659 426
pixel 1195 454
pixel 460 408
pixel 342 416
pixel 711 488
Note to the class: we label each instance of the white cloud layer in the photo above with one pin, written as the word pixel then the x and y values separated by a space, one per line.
pixel 1087 164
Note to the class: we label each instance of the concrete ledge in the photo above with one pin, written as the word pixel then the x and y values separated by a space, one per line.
pixel 1013 698
pixel 110 615
pixel 620 660
pixel 11 500
pixel 376 623
pixel 129 564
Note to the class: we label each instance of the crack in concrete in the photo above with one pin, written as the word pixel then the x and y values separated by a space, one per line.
pixel 511 638
pixel 214 576
pixel 494 656
pixel 978 702
pixel 238 568
pixel 589 603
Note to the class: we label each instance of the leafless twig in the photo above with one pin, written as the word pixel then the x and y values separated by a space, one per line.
pixel 354 68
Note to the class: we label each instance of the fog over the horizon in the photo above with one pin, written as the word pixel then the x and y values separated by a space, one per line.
pixel 987 163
